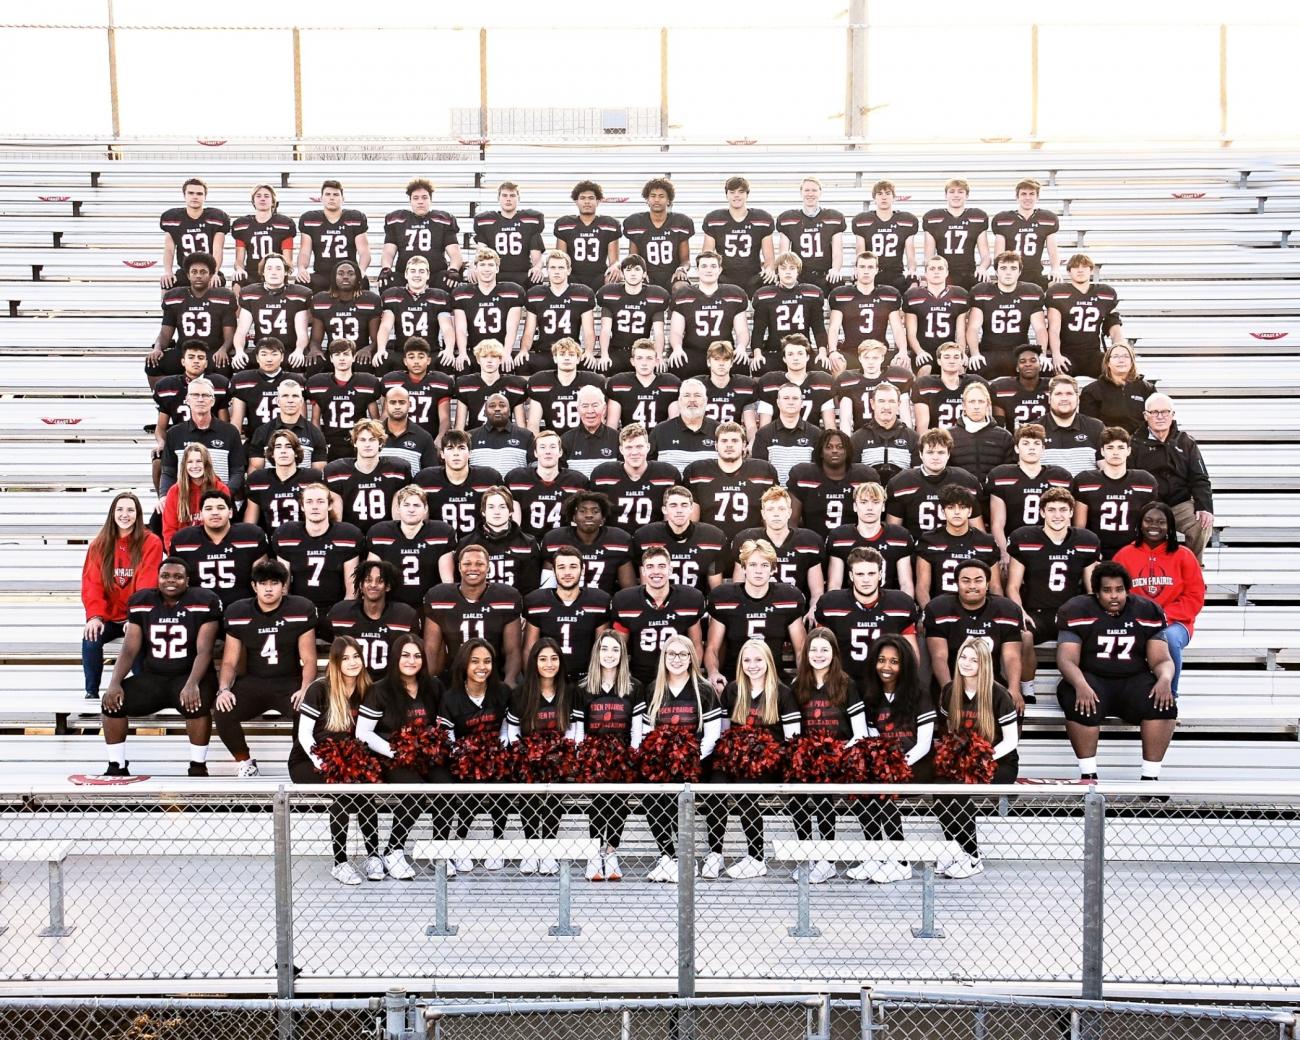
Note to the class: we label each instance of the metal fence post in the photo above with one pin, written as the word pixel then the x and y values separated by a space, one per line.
pixel 686 893
pixel 1094 867
pixel 395 1014
pixel 866 1014
pixel 283 896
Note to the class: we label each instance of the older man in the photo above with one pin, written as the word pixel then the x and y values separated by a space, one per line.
pixel 591 442
pixel 1172 456
pixel 690 436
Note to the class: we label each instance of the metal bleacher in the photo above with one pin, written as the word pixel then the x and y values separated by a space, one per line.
pixel 1199 245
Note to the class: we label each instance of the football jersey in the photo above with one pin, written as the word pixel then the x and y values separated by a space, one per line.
pixel 258 392
pixel 891 541
pixel 943 401
pixel 376 635
pixel 427 394
pixel 812 239
pixel 587 244
pixel 471 392
pixel 1004 715
pixel 820 716
pixel 347 319
pixel 636 500
pixel 427 236
pixel 1114 504
pixel 818 391
pixel 512 555
pixel 890 721
pixel 1027 236
pixel 785 446
pixel 1112 645
pixel 856 387
pixel 466 718
pixel 270 638
pixel 223 567
pixel 1053 573
pixel 825 503
pixel 888 239
pixel 787 710
pixel 943 551
pixel 460 619
pixel 456 504
pixel 559 400
pixel 315 706
pixel 277 498
pixel 708 317
pixel 1019 404
pixel 639 403
pixel 367 497
pixel 546 716
pixel 603 557
pixel 416 315
pixel 658 246
pixel 858 625
pixel 1020 492
pixel 730 501
pixel 513 237
pixel 739 242
pixel 632 316
pixel 648 625
pixel 169 395
pixel 1085 316
pixel 169 633
pixel 936 315
pixel 888 451
pixel 316 561
pixel 312 441
pixel 691 709
pixel 415 558
pixel 606 714
pixel 559 315
pixel 798 553
pixel 1006 317
pixel 274 312
pixel 392 708
pixel 539 500
pixel 205 318
pixel 193 234
pixel 956 237
pixel 572 625
pixel 487 310
pixel 742 616
pixel 332 241
pixel 261 239
pixel 342 405
pixel 675 443
pixel 864 316
pixel 914 496
pixel 695 555
pixel 997 622
pixel 728 403
pixel 779 312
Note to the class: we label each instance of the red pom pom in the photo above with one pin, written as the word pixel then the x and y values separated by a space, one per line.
pixel 544 758
pixel 749 753
pixel 886 761
pixel 670 754
pixel 481 759
pixel 346 760
pixel 605 760
pixel 420 748
pixel 965 758
pixel 815 759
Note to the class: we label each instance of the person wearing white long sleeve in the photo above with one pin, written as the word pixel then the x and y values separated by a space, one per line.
pixel 329 710
pixel 831 706
pixel 974 702
pixel 681 698
pixel 898 708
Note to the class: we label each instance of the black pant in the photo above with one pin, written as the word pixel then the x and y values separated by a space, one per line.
pixel 957 815
pixel 661 815
pixel 253 697
pixel 747 807
pixel 495 806
pixel 540 815
pixel 339 807
pixel 410 807
pixel 606 816
pixel 881 818
pixel 805 808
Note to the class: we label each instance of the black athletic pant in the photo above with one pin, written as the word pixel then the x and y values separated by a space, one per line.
pixel 606 816
pixel 410 807
pixel 540 815
pixel 957 815
pixel 495 806
pixel 340 807
pixel 805 808
pixel 718 809
pixel 253 697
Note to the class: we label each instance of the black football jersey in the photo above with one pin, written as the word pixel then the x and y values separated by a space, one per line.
pixel 817 387
pixel 472 391
pixel 1113 645
pixel 487 311
pixel 936 316
pixel 427 393
pixel 270 638
pixel 891 541
pixel 1114 504
pixel 999 621
pixel 856 387
pixel 1085 316
pixel 639 403
pixel 418 315
pixel 889 719
pixel 606 714
pixel 587 244
pixel 1027 236
pixel 169 395
pixel 1020 492
pixel 1053 573
pixel 636 501
pixel 658 246
pixel 743 617
pixel 169 633
pixel 739 242
pixel 558 400
pixel 513 237
pixel 696 554
pixel 864 316
pixel 513 557
pixel 277 498
pixel 205 318
pixel 1018 404
pixel 376 635
pixel 1006 317
pixel 632 316
pixel 367 497
pixel 572 625
pixel 858 625
pixel 944 551
pixel 427 236
pixel 223 567
pixel 943 401
pixel 611 549
pixel 262 239
pixel 316 561
pixel 888 239
pixel 193 234
pixel 798 553
pixel 1004 715
pixel 709 317
pixel 956 237
pixel 780 312
pixel 460 714
pixel 787 709
pixel 356 319
pixel 820 716
pixel 275 311
pixel 691 709
pixel 258 393
pixel 342 405
pixel 539 500
pixel 914 496
pixel 460 619
pixel 559 315
pixel 648 625
pixel 332 241
pixel 728 403
pixel 456 504
pixel 812 239
pixel 730 501
pixel 415 558
pixel 825 503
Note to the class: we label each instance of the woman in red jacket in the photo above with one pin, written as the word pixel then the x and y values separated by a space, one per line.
pixel 122 559
pixel 194 476
pixel 1168 573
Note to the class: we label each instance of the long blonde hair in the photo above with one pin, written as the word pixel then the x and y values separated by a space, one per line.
pixel 745 694
pixel 186 485
pixel 338 702
pixel 622 677
pixel 693 678
pixel 955 694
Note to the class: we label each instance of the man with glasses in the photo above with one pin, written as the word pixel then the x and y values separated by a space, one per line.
pixel 1173 457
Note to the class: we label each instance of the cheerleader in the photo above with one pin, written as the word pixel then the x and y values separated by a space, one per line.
pixel 475 704
pixel 756 698
pixel 610 704
pixel 407 696
pixel 681 697
pixel 898 707
pixel 329 710
pixel 829 705
pixel 542 702
pixel 973 702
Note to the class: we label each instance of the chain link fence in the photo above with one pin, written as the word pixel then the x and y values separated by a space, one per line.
pixel 581 888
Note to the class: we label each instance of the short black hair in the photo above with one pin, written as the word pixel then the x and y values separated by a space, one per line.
pixel 206 259
pixel 957 495
pixel 570 508
pixel 632 260
pixel 979 565
pixel 1110 569
pixel 1171 543
pixel 386 571
pixel 194 344
pixel 660 184
pixel 217 493
pixel 174 561
pixel 590 186
pixel 269 570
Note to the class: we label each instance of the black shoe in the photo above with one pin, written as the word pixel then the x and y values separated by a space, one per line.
pixel 1088 778
pixel 116 770
pixel 1029 698
pixel 92 696
pixel 198 769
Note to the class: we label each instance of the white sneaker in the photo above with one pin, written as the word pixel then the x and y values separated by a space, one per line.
pixel 464 865
pixel 612 870
pixel 375 868
pixel 944 862
pixel 528 866
pixel 496 863
pixel 659 872
pixel 823 870
pixel 346 874
pixel 746 868
pixel 548 867
pixel 713 864
pixel 863 871
pixel 890 871
pixel 966 866
pixel 399 866
pixel 247 768
pixel 671 871
pixel 596 868
pixel 451 869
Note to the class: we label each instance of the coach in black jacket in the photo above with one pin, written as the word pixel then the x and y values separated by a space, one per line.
pixel 1173 457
